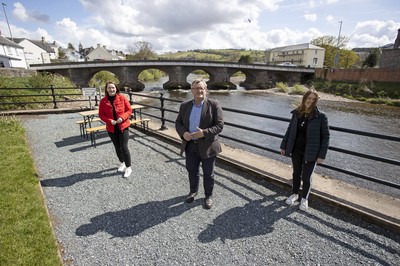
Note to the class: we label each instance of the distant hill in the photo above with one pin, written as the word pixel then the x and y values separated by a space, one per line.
pixel 223 55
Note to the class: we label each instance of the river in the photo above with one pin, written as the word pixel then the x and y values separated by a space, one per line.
pixel 353 115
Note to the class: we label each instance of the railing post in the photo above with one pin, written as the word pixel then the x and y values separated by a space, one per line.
pixel 163 127
pixel 95 98
pixel 54 97
pixel 130 95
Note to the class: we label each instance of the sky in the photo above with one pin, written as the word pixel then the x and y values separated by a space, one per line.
pixel 182 25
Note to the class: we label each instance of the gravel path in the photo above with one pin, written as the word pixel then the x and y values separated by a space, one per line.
pixel 100 218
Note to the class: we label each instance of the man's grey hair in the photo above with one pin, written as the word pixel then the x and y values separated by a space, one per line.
pixel 197 81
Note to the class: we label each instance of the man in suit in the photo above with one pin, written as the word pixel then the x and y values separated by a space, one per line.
pixel 199 122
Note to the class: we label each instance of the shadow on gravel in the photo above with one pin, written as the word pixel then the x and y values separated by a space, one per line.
pixel 69 141
pixel 253 219
pixel 75 178
pixel 133 221
pixel 355 236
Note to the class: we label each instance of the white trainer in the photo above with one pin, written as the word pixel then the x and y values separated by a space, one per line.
pixel 121 168
pixel 292 199
pixel 303 205
pixel 128 172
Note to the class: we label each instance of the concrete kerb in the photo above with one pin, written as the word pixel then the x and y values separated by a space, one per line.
pixel 374 207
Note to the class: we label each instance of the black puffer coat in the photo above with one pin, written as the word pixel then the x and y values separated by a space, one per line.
pixel 317 140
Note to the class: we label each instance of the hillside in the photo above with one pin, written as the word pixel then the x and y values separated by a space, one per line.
pixel 223 55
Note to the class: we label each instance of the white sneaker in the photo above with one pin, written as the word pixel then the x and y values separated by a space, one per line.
pixel 303 205
pixel 128 172
pixel 121 168
pixel 292 199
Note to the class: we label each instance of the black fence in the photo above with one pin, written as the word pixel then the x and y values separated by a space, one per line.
pixel 55 96
pixel 18 98
pixel 164 118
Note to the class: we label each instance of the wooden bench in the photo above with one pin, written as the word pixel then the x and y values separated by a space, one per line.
pixel 82 125
pixel 92 131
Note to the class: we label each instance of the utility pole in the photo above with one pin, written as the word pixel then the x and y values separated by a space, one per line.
pixel 336 60
pixel 5 14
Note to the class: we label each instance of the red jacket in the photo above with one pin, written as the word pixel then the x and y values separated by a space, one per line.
pixel 122 108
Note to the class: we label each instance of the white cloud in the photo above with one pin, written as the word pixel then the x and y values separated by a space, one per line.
pixel 310 17
pixel 24 15
pixel 374 33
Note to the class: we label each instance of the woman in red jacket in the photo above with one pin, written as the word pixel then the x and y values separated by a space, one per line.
pixel 115 110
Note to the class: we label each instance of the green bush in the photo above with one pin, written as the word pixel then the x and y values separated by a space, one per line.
pixel 282 87
pixel 298 89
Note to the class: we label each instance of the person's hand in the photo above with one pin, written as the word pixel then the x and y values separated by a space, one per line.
pixel 113 122
pixel 197 134
pixel 282 152
pixel 187 136
pixel 319 160
pixel 119 120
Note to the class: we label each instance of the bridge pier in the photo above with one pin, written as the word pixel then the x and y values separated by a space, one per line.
pixel 219 80
pixel 177 79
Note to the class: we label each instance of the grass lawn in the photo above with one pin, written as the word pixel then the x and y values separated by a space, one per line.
pixel 26 237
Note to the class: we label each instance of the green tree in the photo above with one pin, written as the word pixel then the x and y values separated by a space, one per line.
pixel 71 47
pixel 246 59
pixel 332 46
pixel 100 78
pixel 373 58
pixel 348 58
pixel 61 54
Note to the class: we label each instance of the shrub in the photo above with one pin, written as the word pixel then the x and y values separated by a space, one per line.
pixel 298 89
pixel 282 87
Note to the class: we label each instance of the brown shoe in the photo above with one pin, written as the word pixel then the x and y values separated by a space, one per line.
pixel 190 197
pixel 208 202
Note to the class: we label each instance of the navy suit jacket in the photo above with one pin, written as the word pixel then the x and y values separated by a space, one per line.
pixel 211 122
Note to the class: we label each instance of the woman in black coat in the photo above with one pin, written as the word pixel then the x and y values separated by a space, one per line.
pixel 306 141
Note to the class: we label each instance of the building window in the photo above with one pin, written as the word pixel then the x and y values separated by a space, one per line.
pixel 315 60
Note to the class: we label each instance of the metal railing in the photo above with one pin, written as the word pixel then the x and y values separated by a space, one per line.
pixel 163 110
pixel 52 96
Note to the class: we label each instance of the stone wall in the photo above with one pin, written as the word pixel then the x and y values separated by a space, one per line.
pixel 16 72
pixel 367 74
pixel 390 58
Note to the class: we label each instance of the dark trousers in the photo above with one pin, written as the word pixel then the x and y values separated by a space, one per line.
pixel 302 171
pixel 120 141
pixel 193 161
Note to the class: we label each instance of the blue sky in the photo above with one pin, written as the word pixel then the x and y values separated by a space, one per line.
pixel 171 25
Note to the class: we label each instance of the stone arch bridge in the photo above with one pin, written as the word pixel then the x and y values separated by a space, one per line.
pixel 258 76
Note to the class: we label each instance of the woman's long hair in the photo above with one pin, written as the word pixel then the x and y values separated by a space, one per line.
pixel 301 109
pixel 116 86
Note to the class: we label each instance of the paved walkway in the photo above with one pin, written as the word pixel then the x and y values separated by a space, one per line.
pixel 101 218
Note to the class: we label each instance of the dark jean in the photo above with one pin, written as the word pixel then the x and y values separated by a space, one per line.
pixel 193 161
pixel 302 171
pixel 120 141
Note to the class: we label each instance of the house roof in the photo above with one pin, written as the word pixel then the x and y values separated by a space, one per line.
pixel 5 41
pixel 43 45
pixel 302 46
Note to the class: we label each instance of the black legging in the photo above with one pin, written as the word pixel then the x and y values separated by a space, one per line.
pixel 120 141
pixel 302 171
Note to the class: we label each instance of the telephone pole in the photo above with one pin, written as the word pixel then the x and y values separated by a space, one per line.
pixel 5 14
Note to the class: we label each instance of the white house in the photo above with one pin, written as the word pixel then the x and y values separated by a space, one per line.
pixel 305 54
pixel 11 54
pixel 101 53
pixel 38 52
